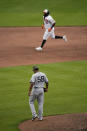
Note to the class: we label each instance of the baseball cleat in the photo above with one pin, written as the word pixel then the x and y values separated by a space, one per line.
pixel 64 38
pixel 38 49
pixel 40 118
pixel 34 117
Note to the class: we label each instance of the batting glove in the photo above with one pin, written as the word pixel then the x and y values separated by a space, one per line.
pixel 49 29
pixel 42 26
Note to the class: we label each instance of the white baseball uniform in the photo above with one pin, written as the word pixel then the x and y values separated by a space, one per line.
pixel 48 22
pixel 38 79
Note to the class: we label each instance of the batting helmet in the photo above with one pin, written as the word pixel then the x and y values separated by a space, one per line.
pixel 46 12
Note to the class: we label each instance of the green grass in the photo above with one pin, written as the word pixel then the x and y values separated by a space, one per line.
pixel 29 12
pixel 67 92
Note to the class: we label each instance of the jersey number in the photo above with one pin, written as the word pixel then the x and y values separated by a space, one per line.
pixel 40 78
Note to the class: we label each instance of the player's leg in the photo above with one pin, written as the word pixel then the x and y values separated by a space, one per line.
pixel 43 42
pixel 31 103
pixel 45 37
pixel 40 100
pixel 57 37
pixel 61 37
pixel 53 35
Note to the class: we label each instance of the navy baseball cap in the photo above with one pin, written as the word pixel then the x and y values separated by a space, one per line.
pixel 35 68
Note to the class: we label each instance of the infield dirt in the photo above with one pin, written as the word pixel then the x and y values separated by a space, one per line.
pixel 17 46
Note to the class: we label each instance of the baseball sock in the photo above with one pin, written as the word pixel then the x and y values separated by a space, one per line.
pixel 43 42
pixel 58 37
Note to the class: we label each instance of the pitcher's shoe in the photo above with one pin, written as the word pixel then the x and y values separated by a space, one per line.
pixel 64 38
pixel 38 49
pixel 40 118
pixel 34 117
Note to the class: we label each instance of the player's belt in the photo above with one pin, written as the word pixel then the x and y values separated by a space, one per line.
pixel 37 87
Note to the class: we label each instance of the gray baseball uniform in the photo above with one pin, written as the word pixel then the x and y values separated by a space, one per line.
pixel 38 79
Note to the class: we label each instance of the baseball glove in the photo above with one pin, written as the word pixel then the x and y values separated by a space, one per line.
pixel 45 89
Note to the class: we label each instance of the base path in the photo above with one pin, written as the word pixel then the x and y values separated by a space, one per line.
pixel 17 45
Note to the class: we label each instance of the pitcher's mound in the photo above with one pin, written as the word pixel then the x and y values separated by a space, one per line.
pixel 67 122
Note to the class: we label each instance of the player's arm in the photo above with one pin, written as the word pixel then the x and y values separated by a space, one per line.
pixel 43 23
pixel 47 84
pixel 46 88
pixel 52 22
pixel 42 26
pixel 32 82
pixel 30 88
pixel 51 27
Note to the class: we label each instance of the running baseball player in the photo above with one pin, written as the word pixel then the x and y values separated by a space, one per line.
pixel 49 24
pixel 36 92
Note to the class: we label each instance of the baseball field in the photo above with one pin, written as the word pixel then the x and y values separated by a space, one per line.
pixel 65 64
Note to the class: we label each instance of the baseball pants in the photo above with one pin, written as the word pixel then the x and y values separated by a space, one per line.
pixel 37 94
pixel 48 34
